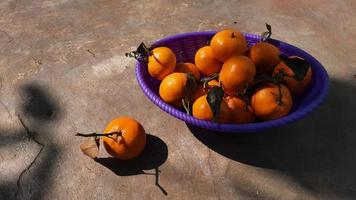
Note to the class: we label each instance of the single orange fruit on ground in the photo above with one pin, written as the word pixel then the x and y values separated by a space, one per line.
pixel 129 143
pixel 188 67
pixel 202 110
pixel 200 90
pixel 265 56
pixel 294 86
pixel 240 111
pixel 227 43
pixel 269 102
pixel 172 88
pixel 206 61
pixel 236 74
pixel 161 62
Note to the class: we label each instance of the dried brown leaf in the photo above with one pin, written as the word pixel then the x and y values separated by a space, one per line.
pixel 90 147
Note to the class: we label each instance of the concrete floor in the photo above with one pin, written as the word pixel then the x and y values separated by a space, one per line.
pixel 63 70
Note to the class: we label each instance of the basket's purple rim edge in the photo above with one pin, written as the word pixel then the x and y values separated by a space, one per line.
pixel 260 126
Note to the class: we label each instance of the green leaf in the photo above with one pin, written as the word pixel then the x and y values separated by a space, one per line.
pixel 141 53
pixel 298 66
pixel 190 85
pixel 266 35
pixel 269 28
pixel 189 89
pixel 214 98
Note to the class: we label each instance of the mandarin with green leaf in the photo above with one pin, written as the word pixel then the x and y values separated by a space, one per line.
pixel 265 57
pixel 203 111
pixel 296 74
pixel 200 90
pixel 264 54
pixel 177 87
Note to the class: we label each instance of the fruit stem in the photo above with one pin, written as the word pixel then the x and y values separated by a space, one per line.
pixel 209 78
pixel 186 106
pixel 279 100
pixel 98 134
pixel 233 35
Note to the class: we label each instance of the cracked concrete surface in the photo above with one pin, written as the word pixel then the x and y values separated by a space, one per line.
pixel 31 136
pixel 63 70
pixel 15 156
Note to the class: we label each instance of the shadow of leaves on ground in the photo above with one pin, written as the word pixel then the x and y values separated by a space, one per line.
pixel 37 108
pixel 38 103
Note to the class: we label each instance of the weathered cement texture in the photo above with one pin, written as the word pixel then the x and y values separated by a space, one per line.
pixel 63 70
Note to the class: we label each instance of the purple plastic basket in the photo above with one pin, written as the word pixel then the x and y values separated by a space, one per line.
pixel 188 43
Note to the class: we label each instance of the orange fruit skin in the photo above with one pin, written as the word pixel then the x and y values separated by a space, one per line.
pixel 201 110
pixel 206 62
pixel 265 57
pixel 227 43
pixel 264 102
pixel 236 73
pixel 240 113
pixel 171 89
pixel 133 138
pixel 161 62
pixel 294 86
pixel 200 91
pixel 188 67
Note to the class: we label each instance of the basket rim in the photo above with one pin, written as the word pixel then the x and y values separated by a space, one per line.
pixel 250 127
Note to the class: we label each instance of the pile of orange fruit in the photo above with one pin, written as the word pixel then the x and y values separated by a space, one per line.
pixel 227 83
pixel 230 82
